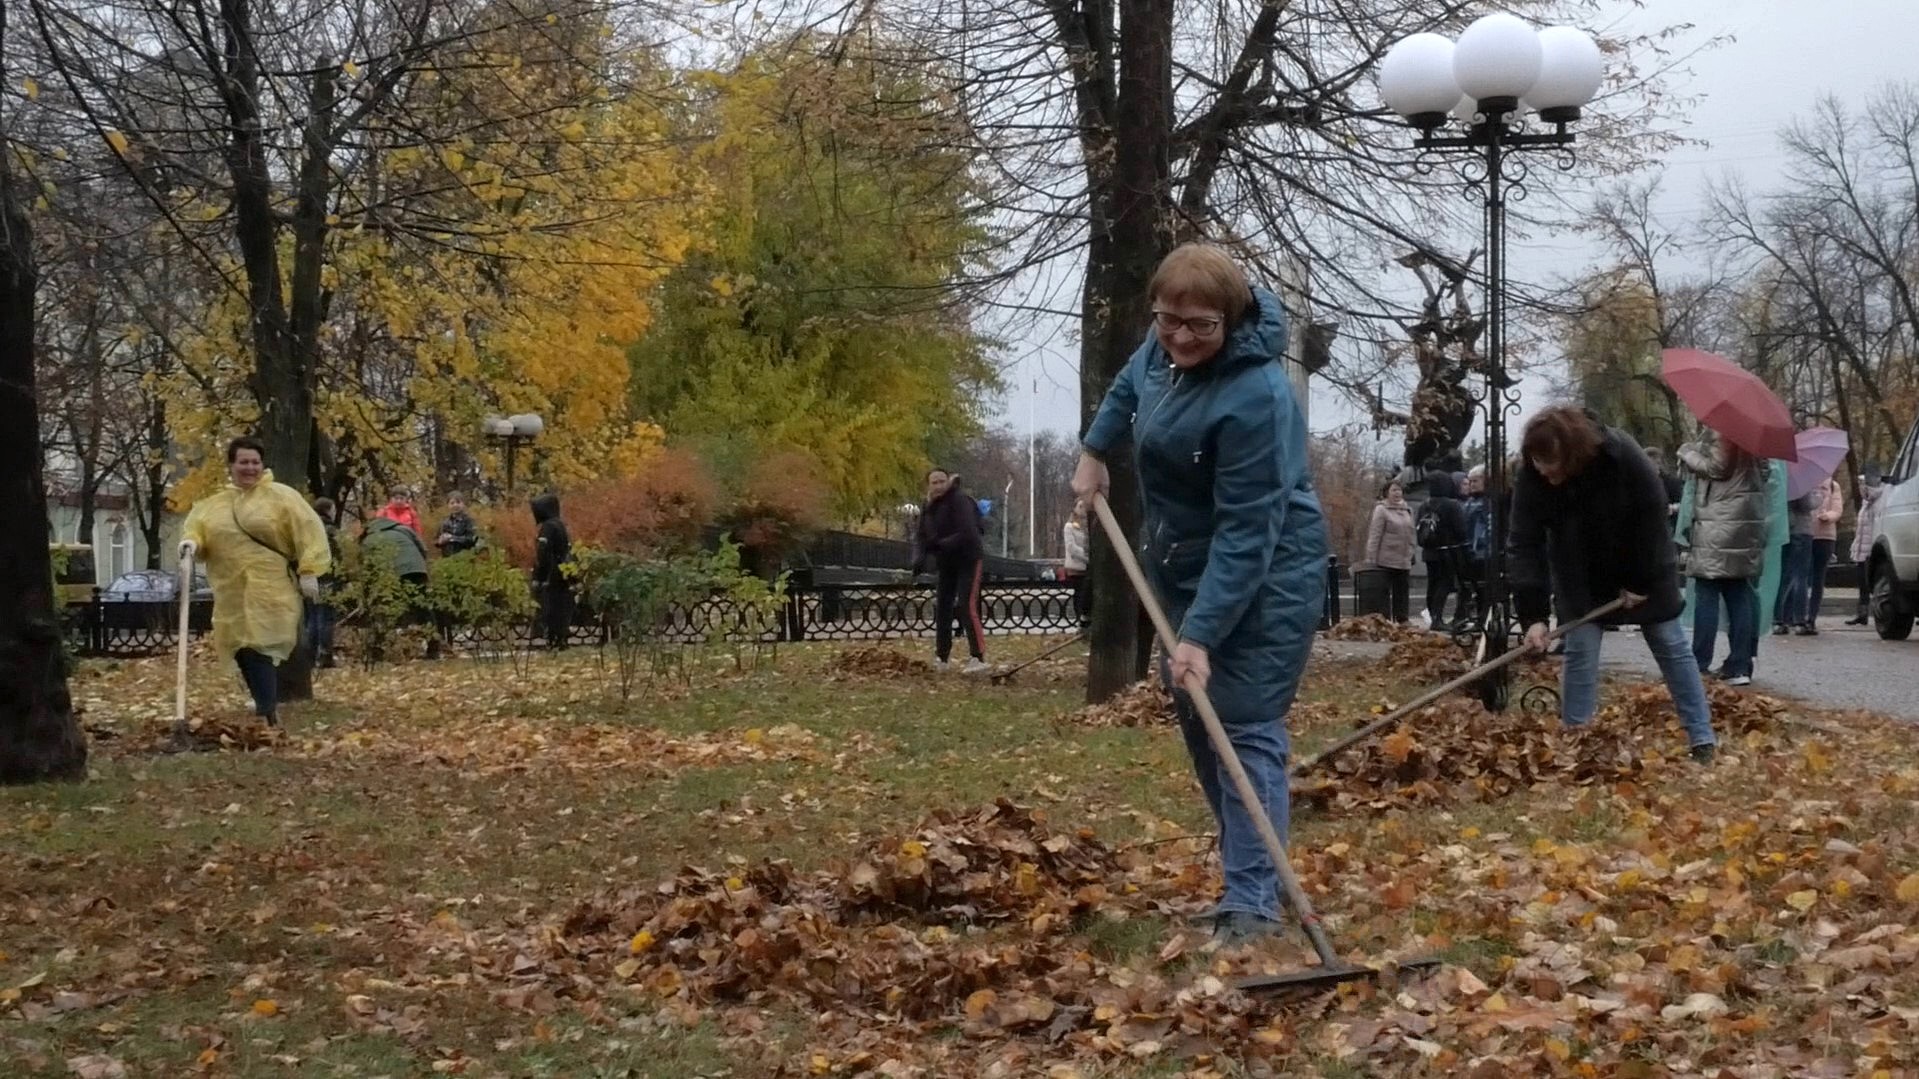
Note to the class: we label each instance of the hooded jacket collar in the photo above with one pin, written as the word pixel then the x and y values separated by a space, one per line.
pixel 1258 337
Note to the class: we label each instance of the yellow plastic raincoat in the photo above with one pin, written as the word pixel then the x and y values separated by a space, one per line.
pixel 256 601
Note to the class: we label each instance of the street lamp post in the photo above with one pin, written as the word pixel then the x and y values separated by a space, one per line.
pixel 1500 69
pixel 513 432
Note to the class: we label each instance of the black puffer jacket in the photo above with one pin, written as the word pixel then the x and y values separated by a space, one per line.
pixel 1600 533
pixel 1442 499
pixel 949 531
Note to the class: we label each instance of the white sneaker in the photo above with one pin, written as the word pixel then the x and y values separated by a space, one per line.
pixel 1739 680
pixel 942 665
pixel 975 666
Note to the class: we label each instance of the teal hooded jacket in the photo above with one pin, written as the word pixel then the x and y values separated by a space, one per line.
pixel 1233 536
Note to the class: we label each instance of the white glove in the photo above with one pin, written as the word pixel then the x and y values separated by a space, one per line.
pixel 187 547
pixel 310 586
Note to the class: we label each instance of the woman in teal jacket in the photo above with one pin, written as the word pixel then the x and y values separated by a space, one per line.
pixel 1233 537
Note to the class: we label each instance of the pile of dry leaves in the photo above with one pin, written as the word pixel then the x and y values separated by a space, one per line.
pixel 972 918
pixel 1373 627
pixel 1143 704
pixel 208 734
pixel 1455 750
pixel 875 661
pixel 1429 657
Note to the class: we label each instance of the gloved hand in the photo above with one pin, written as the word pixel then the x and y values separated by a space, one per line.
pixel 187 547
pixel 310 586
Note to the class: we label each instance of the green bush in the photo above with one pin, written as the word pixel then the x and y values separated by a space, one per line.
pixel 478 589
pixel 374 604
pixel 638 597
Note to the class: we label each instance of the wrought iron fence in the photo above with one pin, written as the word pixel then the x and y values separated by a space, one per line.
pixel 828 613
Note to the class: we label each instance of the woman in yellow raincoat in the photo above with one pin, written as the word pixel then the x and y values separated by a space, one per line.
pixel 264 549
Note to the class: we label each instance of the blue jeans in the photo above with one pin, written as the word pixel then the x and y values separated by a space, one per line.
pixel 322 621
pixel 1795 578
pixel 1252 881
pixel 1742 627
pixel 1817 559
pixel 263 681
pixel 1579 681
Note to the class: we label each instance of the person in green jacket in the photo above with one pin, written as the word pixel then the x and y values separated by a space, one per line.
pixel 1233 538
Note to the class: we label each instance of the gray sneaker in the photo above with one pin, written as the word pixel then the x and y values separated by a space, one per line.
pixel 1234 928
pixel 942 665
pixel 975 666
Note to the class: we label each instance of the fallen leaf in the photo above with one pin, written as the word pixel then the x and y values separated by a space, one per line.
pixel 96 1066
pixel 1908 889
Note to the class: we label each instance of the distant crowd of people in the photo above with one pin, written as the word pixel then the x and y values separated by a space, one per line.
pixel 1737 533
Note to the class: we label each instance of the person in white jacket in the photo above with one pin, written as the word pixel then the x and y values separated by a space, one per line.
pixel 1075 563
pixel 1865 524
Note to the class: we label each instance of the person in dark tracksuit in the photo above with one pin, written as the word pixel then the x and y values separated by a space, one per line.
pixel 1233 539
pixel 949 539
pixel 552 550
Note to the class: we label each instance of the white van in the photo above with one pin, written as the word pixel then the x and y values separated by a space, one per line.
pixel 1894 562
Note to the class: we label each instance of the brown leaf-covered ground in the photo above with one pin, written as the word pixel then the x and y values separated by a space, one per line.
pixel 836 866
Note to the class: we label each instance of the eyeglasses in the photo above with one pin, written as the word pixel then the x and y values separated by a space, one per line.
pixel 1203 326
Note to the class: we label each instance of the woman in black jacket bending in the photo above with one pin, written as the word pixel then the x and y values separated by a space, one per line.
pixel 1588 526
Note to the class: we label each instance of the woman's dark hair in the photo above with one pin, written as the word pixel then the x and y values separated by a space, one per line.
pixel 1565 435
pixel 245 443
pixel 325 508
pixel 1386 488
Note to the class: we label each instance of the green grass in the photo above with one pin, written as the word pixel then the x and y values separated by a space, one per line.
pixel 223 870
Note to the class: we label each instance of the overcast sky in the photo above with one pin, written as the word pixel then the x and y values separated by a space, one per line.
pixel 1784 54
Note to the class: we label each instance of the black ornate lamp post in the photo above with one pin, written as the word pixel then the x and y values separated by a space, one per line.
pixel 512 432
pixel 1500 69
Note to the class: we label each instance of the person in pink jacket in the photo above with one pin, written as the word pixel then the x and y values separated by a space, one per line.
pixel 1826 514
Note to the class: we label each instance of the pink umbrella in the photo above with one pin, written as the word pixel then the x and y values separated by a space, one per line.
pixel 1821 451
pixel 1732 401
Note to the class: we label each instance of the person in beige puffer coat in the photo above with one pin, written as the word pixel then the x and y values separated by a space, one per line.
pixel 1389 545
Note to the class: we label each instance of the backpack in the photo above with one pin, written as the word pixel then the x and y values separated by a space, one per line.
pixel 1429 527
pixel 1479 528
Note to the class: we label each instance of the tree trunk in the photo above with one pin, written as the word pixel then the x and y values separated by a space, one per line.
pixel 39 737
pixel 1136 225
pixel 153 499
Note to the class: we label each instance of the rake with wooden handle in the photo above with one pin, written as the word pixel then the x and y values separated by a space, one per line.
pixel 1332 969
pixel 1431 695
pixel 185 589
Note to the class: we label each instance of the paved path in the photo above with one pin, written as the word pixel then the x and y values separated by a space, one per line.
pixel 1843 667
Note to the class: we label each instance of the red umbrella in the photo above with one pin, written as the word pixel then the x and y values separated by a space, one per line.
pixel 1732 401
pixel 1821 451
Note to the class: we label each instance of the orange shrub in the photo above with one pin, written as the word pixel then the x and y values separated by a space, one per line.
pixel 784 498
pixel 661 508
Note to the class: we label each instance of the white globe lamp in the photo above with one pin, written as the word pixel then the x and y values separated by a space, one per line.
pixel 1570 72
pixel 1497 61
pixel 1416 80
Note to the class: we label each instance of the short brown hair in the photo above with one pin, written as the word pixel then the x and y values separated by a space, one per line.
pixel 1205 274
pixel 1565 435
